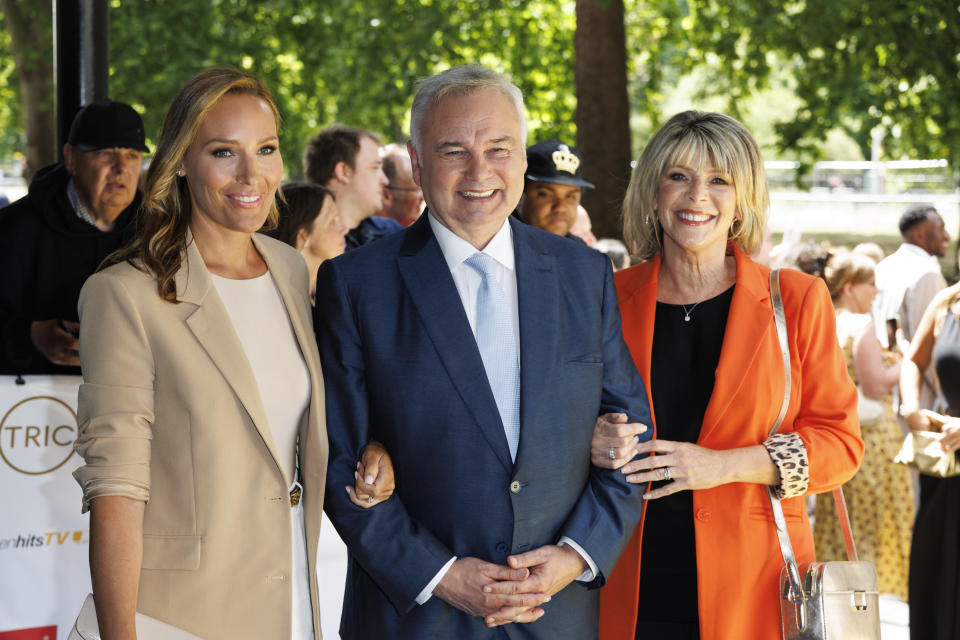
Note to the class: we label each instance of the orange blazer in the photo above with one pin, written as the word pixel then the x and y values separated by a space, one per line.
pixel 738 558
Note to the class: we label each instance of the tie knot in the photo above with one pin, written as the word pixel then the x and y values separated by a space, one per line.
pixel 482 264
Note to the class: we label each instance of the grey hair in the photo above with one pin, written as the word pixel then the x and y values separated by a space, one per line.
pixel 461 81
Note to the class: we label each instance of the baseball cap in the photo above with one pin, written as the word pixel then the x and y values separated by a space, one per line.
pixel 106 124
pixel 553 161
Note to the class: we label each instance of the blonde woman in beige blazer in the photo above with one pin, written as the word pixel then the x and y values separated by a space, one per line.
pixel 189 474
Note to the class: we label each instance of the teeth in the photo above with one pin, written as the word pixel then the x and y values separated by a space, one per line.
pixel 477 194
pixel 693 217
pixel 246 199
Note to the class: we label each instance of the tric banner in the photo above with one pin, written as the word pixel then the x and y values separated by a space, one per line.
pixel 44 539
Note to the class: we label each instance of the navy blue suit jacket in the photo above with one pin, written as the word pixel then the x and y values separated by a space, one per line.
pixel 402 366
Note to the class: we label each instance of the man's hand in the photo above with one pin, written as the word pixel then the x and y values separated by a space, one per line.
pixel 551 568
pixel 464 584
pixel 56 345
pixel 374 479
pixel 614 441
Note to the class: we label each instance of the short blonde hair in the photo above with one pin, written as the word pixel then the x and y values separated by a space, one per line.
pixel 696 136
pixel 846 267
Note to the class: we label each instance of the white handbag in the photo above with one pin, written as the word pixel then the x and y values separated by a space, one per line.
pixel 86 627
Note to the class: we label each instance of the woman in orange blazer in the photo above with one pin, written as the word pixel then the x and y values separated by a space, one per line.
pixel 698 320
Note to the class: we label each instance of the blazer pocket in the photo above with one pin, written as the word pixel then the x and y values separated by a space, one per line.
pixel 596 361
pixel 792 510
pixel 171 552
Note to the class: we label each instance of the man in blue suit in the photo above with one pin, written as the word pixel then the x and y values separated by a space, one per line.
pixel 480 352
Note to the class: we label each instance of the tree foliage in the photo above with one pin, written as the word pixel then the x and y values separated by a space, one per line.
pixel 344 61
pixel 856 65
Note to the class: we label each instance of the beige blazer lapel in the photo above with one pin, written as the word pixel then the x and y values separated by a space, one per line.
pixel 211 325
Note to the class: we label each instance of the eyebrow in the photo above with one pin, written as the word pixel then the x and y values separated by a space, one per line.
pixel 230 141
pixel 453 143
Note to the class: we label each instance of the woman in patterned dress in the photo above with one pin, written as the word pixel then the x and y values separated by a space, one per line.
pixel 880 497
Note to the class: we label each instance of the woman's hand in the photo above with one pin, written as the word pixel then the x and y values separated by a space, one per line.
pixel 951 436
pixel 614 440
pixel 916 420
pixel 374 480
pixel 689 466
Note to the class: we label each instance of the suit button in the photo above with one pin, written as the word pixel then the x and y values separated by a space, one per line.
pixel 515 486
pixel 501 547
pixel 703 515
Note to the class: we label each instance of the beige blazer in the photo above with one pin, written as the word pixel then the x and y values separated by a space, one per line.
pixel 169 408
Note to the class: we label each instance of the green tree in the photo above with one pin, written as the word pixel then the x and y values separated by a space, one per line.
pixel 344 61
pixel 27 104
pixel 856 65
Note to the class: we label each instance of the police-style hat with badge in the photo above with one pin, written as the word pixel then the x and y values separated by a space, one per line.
pixel 553 161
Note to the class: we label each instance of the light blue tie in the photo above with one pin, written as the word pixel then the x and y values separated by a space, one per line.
pixel 498 348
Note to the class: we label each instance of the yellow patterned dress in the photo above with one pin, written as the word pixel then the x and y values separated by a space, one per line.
pixel 879 497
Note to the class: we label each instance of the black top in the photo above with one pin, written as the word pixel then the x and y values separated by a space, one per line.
pixel 946 359
pixel 684 358
pixel 46 254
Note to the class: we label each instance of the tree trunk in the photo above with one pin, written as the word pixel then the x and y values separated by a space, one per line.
pixel 603 112
pixel 29 23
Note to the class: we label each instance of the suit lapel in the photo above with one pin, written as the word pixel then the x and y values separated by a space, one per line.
pixel 748 322
pixel 211 325
pixel 429 284
pixel 537 298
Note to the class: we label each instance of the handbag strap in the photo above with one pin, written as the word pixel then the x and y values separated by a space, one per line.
pixel 779 521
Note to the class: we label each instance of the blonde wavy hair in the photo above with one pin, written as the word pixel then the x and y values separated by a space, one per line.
pixel 692 138
pixel 161 241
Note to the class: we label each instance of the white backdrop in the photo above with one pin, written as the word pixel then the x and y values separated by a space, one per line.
pixel 44 539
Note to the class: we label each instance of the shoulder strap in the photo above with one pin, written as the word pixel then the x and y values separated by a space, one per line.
pixel 780 522
pixel 780 318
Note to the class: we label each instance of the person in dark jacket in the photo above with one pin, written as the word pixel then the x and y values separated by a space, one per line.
pixel 75 214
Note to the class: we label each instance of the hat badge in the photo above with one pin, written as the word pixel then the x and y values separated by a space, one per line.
pixel 565 160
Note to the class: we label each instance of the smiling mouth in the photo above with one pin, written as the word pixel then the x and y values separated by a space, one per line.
pixel 246 200
pixel 694 217
pixel 477 195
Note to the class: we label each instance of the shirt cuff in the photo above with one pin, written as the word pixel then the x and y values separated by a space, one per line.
pixel 424 595
pixel 790 455
pixel 591 573
pixel 101 487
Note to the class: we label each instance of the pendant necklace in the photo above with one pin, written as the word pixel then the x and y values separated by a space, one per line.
pixel 687 312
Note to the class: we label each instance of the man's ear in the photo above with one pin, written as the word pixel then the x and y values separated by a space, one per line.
pixel 68 157
pixel 414 163
pixel 387 196
pixel 342 172
pixel 301 239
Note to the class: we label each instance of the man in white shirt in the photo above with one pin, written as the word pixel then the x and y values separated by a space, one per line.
pixel 909 278
pixel 480 351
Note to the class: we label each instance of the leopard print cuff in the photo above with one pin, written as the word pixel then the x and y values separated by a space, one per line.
pixel 790 455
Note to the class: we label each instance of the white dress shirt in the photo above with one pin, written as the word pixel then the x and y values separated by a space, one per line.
pixel 456 251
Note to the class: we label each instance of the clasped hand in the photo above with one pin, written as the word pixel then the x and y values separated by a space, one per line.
pixel 514 593
pixel 685 465
pixel 373 479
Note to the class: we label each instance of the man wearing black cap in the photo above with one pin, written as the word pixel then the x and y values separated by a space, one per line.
pixel 74 215
pixel 552 187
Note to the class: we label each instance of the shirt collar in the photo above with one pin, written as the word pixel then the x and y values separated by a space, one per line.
pixel 917 251
pixel 78 207
pixel 455 249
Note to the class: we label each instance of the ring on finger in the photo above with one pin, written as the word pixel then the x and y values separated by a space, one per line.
pixel 612 453
pixel 369 499
pixel 665 474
